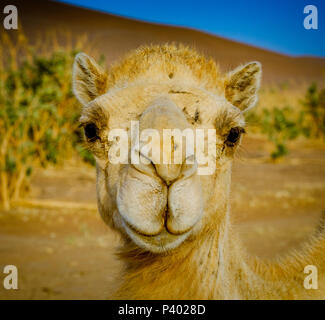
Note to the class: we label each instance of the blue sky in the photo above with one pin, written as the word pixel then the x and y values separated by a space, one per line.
pixel 272 24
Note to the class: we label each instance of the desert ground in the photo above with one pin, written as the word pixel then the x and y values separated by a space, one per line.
pixel 67 252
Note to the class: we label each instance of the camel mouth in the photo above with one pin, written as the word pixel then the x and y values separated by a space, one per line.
pixel 157 243
pixel 165 227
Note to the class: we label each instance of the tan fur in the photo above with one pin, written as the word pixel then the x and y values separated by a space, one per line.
pixel 188 249
pixel 241 85
pixel 89 78
pixel 166 60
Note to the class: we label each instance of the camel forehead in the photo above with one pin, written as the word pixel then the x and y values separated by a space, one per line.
pixel 200 107
pixel 166 62
pixel 163 113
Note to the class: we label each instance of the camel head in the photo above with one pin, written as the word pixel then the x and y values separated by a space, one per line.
pixel 155 202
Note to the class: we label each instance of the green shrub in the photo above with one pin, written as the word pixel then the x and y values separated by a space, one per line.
pixel 283 124
pixel 314 103
pixel 279 127
pixel 38 114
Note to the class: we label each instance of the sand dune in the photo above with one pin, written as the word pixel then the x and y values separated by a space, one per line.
pixel 115 35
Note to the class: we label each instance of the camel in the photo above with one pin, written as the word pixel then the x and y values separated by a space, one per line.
pixel 176 227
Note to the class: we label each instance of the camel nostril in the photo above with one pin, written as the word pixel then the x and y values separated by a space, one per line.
pixel 172 172
pixel 190 166
pixel 143 163
pixel 168 172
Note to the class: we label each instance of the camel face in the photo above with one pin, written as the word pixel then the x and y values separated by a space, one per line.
pixel 155 201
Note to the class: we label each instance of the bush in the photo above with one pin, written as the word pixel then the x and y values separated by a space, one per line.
pixel 279 126
pixel 38 114
pixel 283 124
pixel 314 103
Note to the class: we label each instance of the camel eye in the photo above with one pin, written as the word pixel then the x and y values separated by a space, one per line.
pixel 234 135
pixel 91 132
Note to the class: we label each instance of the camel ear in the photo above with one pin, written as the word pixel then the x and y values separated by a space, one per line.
pixel 242 84
pixel 89 80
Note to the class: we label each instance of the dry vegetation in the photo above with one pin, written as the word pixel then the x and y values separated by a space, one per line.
pixel 287 112
pixel 38 114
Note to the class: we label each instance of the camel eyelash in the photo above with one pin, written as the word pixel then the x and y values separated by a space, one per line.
pixel 234 135
pixel 90 131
